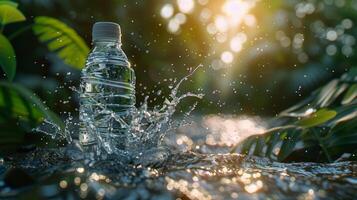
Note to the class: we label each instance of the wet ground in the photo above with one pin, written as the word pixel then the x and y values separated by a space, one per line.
pixel 194 168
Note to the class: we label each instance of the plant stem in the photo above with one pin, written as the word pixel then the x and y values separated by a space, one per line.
pixel 324 149
pixel 19 32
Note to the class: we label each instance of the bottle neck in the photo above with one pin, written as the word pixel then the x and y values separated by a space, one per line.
pixel 108 49
pixel 107 44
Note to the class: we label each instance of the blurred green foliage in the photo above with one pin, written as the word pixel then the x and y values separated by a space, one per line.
pixel 18 104
pixel 320 128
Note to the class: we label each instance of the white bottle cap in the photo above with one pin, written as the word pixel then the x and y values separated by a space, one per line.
pixel 106 31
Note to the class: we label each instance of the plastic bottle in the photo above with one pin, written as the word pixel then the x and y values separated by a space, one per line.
pixel 107 91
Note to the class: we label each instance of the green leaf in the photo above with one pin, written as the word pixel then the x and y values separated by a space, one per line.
pixel 18 102
pixel 11 3
pixel 345 113
pixel 62 40
pixel 288 144
pixel 347 125
pixel 343 140
pixel 317 118
pixel 271 143
pixel 7 58
pixel 10 14
pixel 259 145
pixel 248 144
pixel 325 97
pixel 350 95
pixel 300 108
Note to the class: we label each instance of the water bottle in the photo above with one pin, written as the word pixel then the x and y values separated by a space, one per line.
pixel 107 91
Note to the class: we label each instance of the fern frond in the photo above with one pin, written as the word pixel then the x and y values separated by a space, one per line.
pixel 62 40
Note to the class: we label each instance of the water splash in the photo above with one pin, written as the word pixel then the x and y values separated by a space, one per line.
pixel 146 130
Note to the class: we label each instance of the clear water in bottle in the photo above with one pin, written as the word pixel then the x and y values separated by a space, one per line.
pixel 107 92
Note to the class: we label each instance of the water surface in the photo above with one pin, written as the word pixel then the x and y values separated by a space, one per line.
pixel 190 166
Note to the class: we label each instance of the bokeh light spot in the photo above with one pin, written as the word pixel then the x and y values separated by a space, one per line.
pixel 167 11
pixel 186 6
pixel 173 26
pixel 221 23
pixel 227 57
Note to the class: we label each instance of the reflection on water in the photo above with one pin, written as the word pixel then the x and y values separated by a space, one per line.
pixel 230 131
pixel 200 173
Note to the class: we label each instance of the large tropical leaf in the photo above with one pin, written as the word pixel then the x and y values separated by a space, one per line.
pixel 62 40
pixel 271 143
pixel 7 58
pixel 20 112
pixel 248 144
pixel 343 129
pixel 324 121
pixel 350 95
pixel 345 113
pixel 327 95
pixel 9 13
pixel 18 102
pixel 259 145
pixel 317 118
pixel 8 2
pixel 288 144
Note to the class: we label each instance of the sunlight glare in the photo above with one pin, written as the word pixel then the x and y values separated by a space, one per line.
pixel 186 6
pixel 236 44
pixel 205 14
pixel 236 10
pixel 221 37
pixel 231 131
pixel 254 187
pixel 250 20
pixel 211 29
pixel 221 23
pixel 187 188
pixel 203 2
